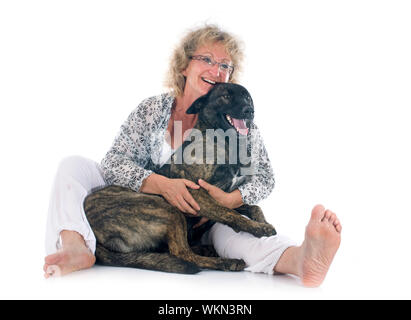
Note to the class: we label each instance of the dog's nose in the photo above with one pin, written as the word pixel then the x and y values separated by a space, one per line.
pixel 248 112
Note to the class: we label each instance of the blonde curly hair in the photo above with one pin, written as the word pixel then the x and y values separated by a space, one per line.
pixel 190 43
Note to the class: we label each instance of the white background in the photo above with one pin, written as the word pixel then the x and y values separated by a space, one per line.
pixel 331 85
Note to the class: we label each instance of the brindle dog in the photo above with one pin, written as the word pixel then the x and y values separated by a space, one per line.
pixel 144 231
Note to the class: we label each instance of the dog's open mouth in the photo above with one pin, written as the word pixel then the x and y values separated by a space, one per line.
pixel 238 124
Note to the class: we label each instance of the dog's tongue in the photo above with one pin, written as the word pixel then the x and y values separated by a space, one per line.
pixel 240 126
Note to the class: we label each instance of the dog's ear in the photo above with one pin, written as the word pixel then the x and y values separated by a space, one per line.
pixel 197 105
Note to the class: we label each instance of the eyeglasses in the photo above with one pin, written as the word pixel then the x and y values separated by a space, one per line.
pixel 222 66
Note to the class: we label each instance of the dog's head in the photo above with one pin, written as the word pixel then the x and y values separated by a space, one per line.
pixel 225 106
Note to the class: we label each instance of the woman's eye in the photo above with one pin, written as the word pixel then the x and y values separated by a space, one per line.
pixel 207 60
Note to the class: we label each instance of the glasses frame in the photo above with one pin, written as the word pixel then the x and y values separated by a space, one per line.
pixel 212 62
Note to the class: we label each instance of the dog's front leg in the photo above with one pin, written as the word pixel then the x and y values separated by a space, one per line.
pixel 211 209
pixel 253 212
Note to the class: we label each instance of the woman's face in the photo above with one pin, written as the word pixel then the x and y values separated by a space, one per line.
pixel 200 75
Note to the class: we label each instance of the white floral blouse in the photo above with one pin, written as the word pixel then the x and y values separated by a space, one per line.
pixel 141 139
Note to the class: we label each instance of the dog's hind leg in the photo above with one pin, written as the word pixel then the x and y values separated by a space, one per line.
pixel 145 260
pixel 206 250
pixel 178 246
pixel 131 229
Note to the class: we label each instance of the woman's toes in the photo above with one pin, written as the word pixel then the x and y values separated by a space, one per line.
pixel 332 218
pixel 338 226
pixel 327 215
pixel 52 271
pixel 318 212
pixel 54 258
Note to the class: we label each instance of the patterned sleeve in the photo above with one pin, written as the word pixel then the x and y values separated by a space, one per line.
pixel 262 181
pixel 124 163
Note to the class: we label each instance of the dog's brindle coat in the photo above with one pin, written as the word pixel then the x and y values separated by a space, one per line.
pixel 145 231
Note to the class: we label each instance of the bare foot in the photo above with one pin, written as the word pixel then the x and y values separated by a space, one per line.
pixel 322 239
pixel 72 257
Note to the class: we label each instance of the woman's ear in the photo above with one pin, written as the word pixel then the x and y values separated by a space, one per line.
pixel 185 72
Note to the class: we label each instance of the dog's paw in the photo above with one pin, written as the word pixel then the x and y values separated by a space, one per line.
pixel 236 265
pixel 225 264
pixel 265 230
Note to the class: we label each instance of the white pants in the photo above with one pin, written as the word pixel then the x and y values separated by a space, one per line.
pixel 77 177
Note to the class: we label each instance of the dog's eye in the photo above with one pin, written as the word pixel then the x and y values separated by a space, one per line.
pixel 227 97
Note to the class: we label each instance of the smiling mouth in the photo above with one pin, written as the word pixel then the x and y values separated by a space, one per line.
pixel 238 124
pixel 208 81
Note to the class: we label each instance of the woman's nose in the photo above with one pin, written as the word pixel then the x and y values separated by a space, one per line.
pixel 215 70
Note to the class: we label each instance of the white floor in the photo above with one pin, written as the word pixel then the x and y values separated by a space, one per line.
pixel 359 271
pixel 118 283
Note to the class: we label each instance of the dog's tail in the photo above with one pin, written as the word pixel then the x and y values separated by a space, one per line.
pixel 145 260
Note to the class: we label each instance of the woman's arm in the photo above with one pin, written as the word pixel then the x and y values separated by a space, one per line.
pixel 262 181
pixel 124 164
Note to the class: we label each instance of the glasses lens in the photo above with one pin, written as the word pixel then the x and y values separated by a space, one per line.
pixel 207 60
pixel 224 67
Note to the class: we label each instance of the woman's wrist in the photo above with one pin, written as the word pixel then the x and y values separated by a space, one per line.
pixel 236 200
pixel 152 184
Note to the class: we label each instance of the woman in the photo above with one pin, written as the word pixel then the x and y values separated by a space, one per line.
pixel 205 56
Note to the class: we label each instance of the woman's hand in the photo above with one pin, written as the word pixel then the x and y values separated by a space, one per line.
pixel 173 190
pixel 230 200
pixel 176 193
